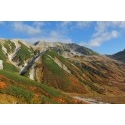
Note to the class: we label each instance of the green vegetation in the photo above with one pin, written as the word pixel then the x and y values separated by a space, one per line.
pixel 52 91
pixel 18 78
pixel 87 51
pixel 59 50
pixel 90 69
pixel 81 49
pixel 53 54
pixel 2 55
pixel 72 69
pixel 7 66
pixel 57 72
pixel 20 87
pixel 85 68
pixel 47 100
pixel 10 46
pixel 26 74
pixel 24 53
pixel 53 66
pixel 94 87
pixel 10 67
pixel 26 81
pixel 20 93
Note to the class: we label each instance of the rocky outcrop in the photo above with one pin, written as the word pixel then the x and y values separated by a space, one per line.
pixel 31 64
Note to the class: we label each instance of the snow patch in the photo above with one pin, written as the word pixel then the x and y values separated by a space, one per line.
pixel 16 43
pixel 32 73
pixel 1 64
pixel 24 43
pixel 4 49
pixel 13 54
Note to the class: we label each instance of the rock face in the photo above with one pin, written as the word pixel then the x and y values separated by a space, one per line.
pixel 1 64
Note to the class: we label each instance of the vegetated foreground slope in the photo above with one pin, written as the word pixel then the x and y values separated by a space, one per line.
pixel 59 73
pixel 17 89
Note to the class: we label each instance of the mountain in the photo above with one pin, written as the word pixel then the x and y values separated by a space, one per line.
pixel 46 72
pixel 120 56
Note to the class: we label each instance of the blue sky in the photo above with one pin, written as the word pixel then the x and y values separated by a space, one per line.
pixel 106 37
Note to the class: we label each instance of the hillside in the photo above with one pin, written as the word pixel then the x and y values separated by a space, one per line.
pixel 17 89
pixel 120 56
pixel 58 73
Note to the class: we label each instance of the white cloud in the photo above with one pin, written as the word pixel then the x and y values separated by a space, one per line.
pixel 100 39
pixel 105 31
pixel 53 39
pixel 2 22
pixel 65 23
pixel 65 26
pixel 38 24
pixel 83 24
pixel 53 36
pixel 76 24
pixel 120 24
pixel 25 28
pixel 102 26
pixel 30 40
pixel 48 39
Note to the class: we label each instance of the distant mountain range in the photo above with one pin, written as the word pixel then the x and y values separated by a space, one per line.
pixel 119 56
pixel 46 72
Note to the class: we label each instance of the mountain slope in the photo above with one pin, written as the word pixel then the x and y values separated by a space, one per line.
pixel 22 90
pixel 59 67
pixel 56 74
pixel 120 56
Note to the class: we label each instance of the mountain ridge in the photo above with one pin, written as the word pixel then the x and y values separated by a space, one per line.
pixel 120 56
pixel 68 68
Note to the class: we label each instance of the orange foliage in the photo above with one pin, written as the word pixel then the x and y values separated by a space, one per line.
pixel 77 84
pixel 2 85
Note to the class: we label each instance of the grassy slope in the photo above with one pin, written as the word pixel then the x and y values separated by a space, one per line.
pixel 57 77
pixel 28 91
pixel 10 46
pixel 92 80
pixel 24 53
pixel 7 66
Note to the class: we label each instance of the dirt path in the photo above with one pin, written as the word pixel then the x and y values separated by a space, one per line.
pixel 89 100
